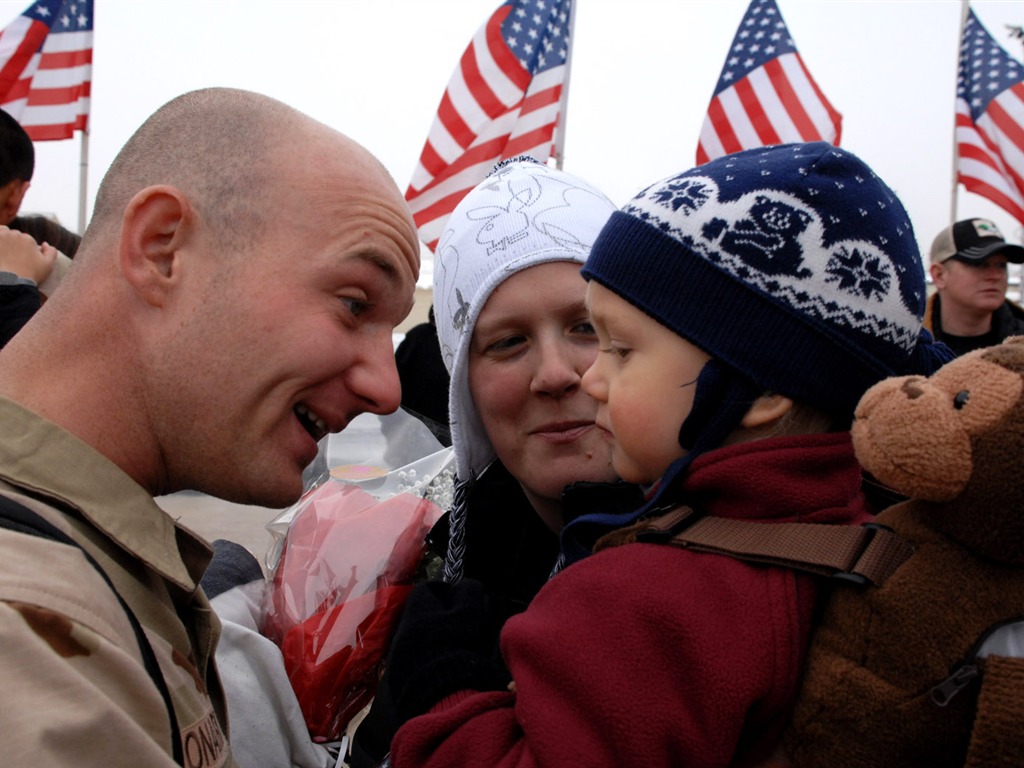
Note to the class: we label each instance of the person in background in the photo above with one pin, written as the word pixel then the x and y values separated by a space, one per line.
pixel 27 275
pixel 24 264
pixel 969 309
pixel 515 334
pixel 201 345
pixel 742 308
pixel 17 164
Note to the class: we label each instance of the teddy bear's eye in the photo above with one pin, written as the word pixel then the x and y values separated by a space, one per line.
pixel 961 399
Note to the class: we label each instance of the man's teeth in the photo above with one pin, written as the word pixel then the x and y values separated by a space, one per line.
pixel 311 417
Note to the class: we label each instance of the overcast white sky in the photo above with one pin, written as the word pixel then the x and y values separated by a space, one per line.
pixel 642 75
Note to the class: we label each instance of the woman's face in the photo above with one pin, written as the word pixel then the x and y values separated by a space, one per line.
pixel 531 345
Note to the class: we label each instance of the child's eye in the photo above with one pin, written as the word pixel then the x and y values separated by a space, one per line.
pixel 620 352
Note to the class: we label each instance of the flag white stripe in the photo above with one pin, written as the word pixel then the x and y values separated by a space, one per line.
pixel 67 42
pixel 55 114
pixel 807 96
pixel 12 35
pixel 61 78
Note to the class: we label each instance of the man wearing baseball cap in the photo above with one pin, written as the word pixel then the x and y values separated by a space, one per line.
pixel 969 308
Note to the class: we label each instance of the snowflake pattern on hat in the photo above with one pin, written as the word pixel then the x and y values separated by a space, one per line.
pixel 828 246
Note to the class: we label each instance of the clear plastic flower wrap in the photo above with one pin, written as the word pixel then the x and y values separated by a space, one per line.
pixel 345 559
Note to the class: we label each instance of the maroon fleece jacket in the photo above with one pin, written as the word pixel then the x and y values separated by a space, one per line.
pixel 650 655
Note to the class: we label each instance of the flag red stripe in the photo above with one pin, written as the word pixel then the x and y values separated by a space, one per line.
pixel 541 99
pixel 57 131
pixel 720 121
pixel 503 57
pixel 432 161
pixel 996 196
pixel 755 112
pixel 49 97
pixel 17 91
pixel 14 66
pixel 453 122
pixel 527 141
pixel 1013 130
pixel 482 93
pixel 1005 169
pixel 65 59
pixel 794 107
pixel 442 207
pixel 975 153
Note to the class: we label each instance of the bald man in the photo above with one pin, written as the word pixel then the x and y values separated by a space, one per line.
pixel 198 343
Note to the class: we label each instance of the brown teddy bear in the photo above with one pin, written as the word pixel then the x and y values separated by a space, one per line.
pixel 926 669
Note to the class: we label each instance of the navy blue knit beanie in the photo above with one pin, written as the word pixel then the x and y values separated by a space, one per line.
pixel 794 265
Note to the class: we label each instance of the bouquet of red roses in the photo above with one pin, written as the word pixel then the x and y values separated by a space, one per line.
pixel 347 559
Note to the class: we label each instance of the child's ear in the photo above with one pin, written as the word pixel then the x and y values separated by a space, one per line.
pixel 766 410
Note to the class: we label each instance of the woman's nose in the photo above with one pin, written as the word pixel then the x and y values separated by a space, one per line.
pixel 559 370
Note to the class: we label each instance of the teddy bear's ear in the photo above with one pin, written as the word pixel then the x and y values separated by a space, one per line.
pixel 1009 354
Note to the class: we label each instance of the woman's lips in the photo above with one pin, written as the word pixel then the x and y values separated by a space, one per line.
pixel 562 432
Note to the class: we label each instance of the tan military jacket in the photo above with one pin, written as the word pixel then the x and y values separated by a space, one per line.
pixel 73 685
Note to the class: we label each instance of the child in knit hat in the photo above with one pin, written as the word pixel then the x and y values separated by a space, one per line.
pixel 742 308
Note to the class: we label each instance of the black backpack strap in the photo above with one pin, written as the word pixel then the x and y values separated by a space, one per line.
pixel 17 517
pixel 863 554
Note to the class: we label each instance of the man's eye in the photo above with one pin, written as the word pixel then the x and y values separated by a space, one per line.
pixel 355 306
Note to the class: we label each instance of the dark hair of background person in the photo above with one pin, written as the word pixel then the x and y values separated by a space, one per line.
pixel 18 158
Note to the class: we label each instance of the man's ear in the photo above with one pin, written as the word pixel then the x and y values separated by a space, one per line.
pixel 938 273
pixel 766 410
pixel 155 226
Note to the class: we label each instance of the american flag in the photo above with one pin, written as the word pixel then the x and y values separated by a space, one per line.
pixel 46 68
pixel 502 101
pixel 765 95
pixel 990 120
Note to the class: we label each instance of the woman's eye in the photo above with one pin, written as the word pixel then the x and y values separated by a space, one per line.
pixel 586 328
pixel 505 344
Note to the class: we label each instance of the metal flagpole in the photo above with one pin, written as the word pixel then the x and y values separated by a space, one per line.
pixel 563 106
pixel 964 7
pixel 83 175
